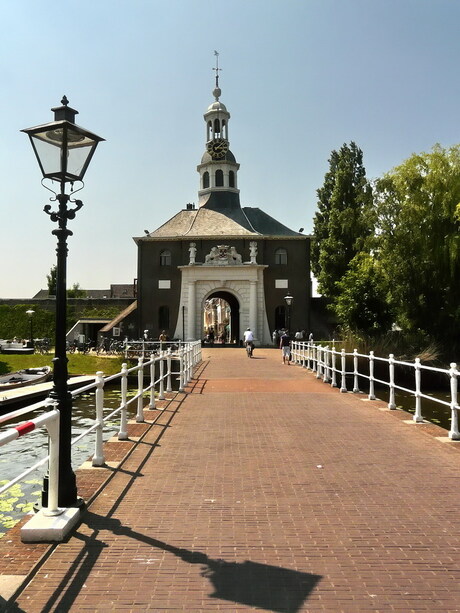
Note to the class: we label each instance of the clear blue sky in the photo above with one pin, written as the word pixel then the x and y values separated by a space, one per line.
pixel 300 78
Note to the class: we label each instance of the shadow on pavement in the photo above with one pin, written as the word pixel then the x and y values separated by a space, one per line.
pixel 253 584
pixel 249 583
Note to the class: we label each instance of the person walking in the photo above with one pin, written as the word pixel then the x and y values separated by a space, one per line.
pixel 285 346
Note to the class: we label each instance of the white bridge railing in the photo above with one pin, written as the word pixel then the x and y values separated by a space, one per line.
pixel 333 367
pixel 187 356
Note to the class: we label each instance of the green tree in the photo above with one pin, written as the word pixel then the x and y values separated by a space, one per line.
pixel 418 243
pixel 341 223
pixel 51 279
pixel 362 304
pixel 76 291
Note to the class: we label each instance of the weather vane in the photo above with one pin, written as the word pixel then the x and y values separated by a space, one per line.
pixel 217 69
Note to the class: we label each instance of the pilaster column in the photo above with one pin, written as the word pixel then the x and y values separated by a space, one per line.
pixel 191 311
pixel 253 306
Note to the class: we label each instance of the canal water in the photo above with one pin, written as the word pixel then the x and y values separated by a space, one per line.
pixel 20 454
pixel 433 411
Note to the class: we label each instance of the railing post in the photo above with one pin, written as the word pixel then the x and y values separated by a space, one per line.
pixel 371 376
pixel 186 364
pixel 319 361
pixel 98 457
pixel 152 382
pixel 343 385
pixel 334 370
pixel 454 434
pixel 140 391
pixel 181 370
pixel 326 364
pixel 314 358
pixel 391 368
pixel 168 362
pixel 355 372
pixel 123 432
pixel 53 466
pixel 418 400
pixel 190 362
pixel 309 355
pixel 161 391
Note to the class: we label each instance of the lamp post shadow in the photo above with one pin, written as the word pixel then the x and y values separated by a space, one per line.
pixel 253 584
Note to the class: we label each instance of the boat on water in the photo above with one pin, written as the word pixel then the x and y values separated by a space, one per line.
pixel 28 376
pixel 16 348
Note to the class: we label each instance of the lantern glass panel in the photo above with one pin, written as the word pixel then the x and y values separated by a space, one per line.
pixel 51 145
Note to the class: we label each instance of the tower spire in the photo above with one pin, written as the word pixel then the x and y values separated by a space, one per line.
pixel 217 91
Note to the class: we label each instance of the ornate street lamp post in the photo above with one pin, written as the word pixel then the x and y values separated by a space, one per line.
pixel 289 300
pixel 30 313
pixel 64 151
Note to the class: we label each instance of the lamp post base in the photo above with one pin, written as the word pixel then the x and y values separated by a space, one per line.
pixel 45 529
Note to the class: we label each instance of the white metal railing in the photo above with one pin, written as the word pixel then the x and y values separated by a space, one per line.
pixel 188 355
pixel 330 364
pixel 148 348
pixel 51 421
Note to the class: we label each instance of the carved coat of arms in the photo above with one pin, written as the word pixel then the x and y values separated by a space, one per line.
pixel 223 255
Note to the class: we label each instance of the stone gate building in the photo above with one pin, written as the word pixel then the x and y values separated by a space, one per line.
pixel 220 249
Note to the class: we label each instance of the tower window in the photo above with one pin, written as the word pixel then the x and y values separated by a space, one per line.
pixel 165 258
pixel 219 178
pixel 205 180
pixel 231 179
pixel 163 317
pixel 281 256
pixel 216 126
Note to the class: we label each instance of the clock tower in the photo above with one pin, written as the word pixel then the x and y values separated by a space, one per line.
pixel 220 264
pixel 218 168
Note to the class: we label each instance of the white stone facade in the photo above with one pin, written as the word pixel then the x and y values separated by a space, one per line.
pixel 245 282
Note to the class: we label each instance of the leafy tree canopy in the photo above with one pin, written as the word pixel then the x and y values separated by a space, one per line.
pixel 76 291
pixel 51 280
pixel 341 223
pixel 417 240
pixel 362 302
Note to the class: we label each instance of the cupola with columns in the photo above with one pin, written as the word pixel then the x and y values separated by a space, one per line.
pixel 218 168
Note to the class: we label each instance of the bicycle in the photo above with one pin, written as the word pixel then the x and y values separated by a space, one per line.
pixel 249 348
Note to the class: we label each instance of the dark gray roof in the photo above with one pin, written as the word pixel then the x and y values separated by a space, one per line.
pixel 221 215
pixel 267 225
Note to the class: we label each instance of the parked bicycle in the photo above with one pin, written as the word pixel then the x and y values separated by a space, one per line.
pixel 42 345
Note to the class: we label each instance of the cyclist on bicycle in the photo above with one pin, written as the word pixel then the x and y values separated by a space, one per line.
pixel 249 341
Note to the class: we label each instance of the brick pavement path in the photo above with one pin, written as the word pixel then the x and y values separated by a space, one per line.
pixel 264 489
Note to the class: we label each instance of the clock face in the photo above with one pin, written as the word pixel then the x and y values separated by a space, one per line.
pixel 217 148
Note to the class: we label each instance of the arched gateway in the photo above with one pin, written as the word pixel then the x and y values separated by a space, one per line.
pixel 221 314
pixel 221 249
pixel 224 274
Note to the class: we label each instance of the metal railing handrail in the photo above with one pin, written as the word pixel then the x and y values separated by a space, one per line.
pixel 51 421
pixel 188 355
pixel 322 359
